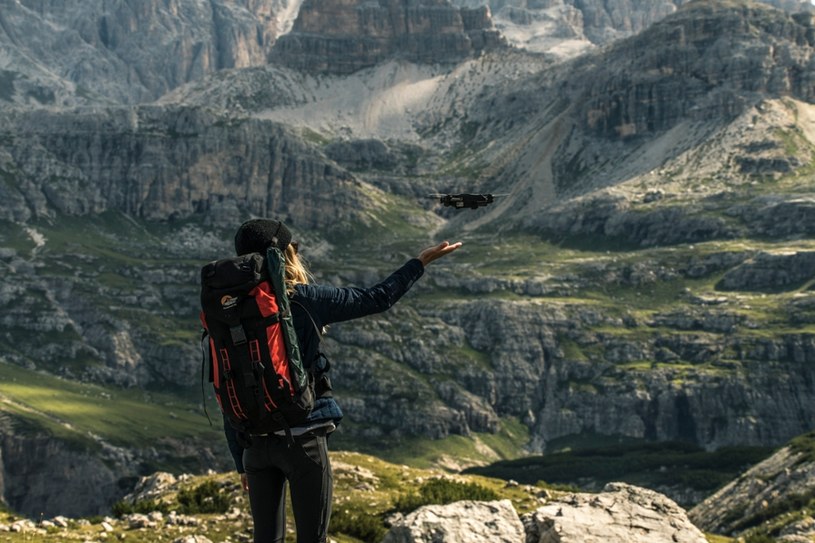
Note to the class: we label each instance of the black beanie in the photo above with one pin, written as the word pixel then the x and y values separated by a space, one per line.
pixel 257 235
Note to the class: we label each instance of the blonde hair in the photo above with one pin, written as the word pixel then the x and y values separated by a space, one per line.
pixel 296 270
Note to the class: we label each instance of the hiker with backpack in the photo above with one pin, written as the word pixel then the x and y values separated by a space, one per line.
pixel 264 320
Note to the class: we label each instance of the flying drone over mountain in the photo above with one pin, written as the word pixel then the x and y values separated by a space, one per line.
pixel 459 201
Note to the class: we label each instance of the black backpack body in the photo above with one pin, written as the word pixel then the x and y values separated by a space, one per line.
pixel 256 368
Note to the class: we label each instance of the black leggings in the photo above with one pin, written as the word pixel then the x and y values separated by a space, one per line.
pixel 269 463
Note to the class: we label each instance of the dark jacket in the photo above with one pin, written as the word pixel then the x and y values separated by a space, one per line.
pixel 328 305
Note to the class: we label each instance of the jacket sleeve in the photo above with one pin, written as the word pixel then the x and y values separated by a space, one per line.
pixel 332 304
pixel 234 447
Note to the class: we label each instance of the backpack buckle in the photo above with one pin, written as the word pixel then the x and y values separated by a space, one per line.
pixel 238 335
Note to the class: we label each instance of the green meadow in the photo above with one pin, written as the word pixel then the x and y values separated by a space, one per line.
pixel 83 413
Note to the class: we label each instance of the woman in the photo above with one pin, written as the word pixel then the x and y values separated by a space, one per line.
pixel 271 460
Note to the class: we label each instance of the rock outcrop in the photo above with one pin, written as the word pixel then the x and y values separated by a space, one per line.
pixel 621 513
pixel 771 272
pixel 345 36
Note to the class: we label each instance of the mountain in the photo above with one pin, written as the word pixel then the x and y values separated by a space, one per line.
pixel 646 274
pixel 635 124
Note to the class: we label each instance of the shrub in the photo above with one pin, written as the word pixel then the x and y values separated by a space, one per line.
pixel 440 492
pixel 363 526
pixel 759 538
pixel 789 504
pixel 122 508
pixel 804 445
pixel 205 498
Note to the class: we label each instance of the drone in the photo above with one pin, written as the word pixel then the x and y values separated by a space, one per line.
pixel 460 201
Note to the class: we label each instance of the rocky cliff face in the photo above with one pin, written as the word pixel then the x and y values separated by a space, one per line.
pixel 126 52
pixel 535 377
pixel 569 27
pixel 41 474
pixel 686 73
pixel 345 36
pixel 162 163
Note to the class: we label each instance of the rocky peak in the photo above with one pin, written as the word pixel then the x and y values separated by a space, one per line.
pixel 344 36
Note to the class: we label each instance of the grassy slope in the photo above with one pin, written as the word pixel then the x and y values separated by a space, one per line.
pixel 80 413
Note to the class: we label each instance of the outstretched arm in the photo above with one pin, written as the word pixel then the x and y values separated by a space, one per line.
pixel 437 251
pixel 328 305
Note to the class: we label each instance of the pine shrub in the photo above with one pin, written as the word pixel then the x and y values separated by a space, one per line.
pixel 443 491
pixel 363 526
pixel 205 498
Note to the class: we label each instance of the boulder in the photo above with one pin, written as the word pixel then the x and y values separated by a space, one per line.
pixel 470 521
pixel 622 513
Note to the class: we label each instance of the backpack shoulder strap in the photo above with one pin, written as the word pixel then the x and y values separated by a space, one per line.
pixel 313 322
pixel 276 264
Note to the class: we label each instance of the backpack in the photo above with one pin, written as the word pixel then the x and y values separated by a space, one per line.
pixel 256 367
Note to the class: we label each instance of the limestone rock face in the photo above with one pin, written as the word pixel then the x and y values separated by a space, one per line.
pixel 43 475
pixel 568 27
pixel 163 163
pixel 344 36
pixel 129 51
pixel 473 522
pixel 620 514
pixel 769 272
pixel 681 61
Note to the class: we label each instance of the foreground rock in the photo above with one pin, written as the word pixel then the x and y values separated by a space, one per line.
pixel 474 522
pixel 622 513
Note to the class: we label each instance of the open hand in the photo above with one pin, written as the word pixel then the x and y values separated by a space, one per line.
pixel 432 253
